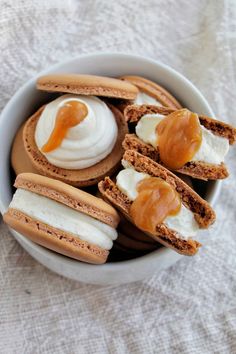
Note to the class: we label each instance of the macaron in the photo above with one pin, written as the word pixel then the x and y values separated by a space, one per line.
pixel 85 152
pixel 62 218
pixel 149 92
pixel 132 238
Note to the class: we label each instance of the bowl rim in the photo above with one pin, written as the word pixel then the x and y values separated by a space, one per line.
pixel 116 266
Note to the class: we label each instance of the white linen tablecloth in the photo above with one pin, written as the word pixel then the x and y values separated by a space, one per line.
pixel 188 308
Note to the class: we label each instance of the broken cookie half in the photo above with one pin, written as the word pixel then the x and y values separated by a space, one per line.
pixel 181 140
pixel 158 202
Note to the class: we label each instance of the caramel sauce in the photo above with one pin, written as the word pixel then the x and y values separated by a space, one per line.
pixel 179 138
pixel 155 201
pixel 68 116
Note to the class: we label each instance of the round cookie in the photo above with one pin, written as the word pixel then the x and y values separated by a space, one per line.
pixel 78 178
pixel 150 88
pixel 87 85
pixel 20 160
pixel 47 211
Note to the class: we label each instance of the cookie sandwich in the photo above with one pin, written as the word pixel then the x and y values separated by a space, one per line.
pixel 158 202
pixel 62 218
pixel 77 137
pixel 181 140
pixel 150 93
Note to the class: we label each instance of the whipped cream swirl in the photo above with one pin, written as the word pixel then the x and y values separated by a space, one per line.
pixel 85 144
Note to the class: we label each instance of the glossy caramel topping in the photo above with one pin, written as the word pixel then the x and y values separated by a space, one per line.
pixel 179 138
pixel 155 201
pixel 68 116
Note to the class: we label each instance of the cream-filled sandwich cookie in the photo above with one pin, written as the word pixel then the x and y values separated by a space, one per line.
pixel 158 202
pixel 181 140
pixel 76 139
pixel 150 93
pixel 62 218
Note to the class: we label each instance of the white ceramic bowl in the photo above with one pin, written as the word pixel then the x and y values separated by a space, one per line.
pixel 27 99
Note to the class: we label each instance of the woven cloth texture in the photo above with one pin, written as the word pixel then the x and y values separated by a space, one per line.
pixel 188 308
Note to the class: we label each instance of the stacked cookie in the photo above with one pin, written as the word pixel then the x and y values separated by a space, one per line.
pixel 132 139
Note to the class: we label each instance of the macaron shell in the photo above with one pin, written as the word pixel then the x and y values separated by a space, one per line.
pixel 55 239
pixel 70 196
pixel 20 160
pixel 78 178
pixel 87 85
pixel 154 90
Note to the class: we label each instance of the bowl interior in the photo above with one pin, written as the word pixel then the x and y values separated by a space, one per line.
pixel 27 99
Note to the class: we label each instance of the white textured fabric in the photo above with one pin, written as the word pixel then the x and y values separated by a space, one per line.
pixel 189 308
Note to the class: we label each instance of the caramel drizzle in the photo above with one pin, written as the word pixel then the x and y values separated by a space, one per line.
pixel 69 115
pixel 179 138
pixel 155 201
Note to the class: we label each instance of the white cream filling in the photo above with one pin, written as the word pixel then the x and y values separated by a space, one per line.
pixel 64 218
pixel 86 143
pixel 184 222
pixel 213 148
pixel 143 98
pixel 127 181
pixel 146 128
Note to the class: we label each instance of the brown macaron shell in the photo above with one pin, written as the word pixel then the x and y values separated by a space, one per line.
pixel 154 90
pixel 78 178
pixel 55 239
pixel 87 85
pixel 203 212
pixel 20 160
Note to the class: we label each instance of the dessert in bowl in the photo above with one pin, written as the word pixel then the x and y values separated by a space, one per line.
pixel 26 102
